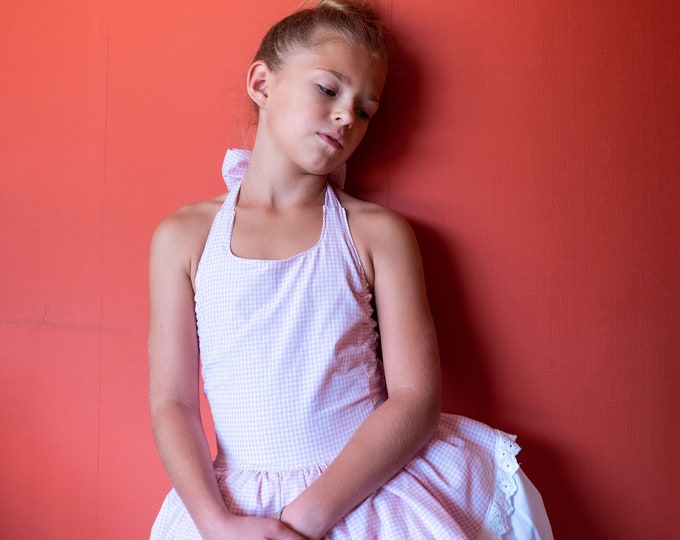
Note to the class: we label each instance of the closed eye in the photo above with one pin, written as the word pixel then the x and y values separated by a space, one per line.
pixel 363 114
pixel 326 90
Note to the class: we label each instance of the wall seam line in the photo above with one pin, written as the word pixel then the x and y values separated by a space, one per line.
pixel 101 274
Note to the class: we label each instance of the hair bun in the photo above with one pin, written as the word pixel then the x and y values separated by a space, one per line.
pixel 341 5
pixel 354 7
pixel 354 20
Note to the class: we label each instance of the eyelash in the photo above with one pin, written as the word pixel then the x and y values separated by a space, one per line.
pixel 331 93
pixel 326 90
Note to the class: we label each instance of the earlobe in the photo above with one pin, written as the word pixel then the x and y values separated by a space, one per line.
pixel 257 83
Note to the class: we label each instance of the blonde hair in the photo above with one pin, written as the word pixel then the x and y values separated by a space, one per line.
pixel 354 20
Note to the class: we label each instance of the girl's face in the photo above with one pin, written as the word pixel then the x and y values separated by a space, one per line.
pixel 320 103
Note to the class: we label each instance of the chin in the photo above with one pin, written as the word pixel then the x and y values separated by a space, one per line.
pixel 324 169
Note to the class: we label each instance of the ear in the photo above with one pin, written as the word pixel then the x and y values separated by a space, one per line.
pixel 257 83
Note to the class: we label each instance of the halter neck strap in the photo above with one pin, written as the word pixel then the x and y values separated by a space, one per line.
pixel 236 162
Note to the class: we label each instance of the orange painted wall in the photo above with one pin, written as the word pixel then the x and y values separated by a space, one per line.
pixel 535 146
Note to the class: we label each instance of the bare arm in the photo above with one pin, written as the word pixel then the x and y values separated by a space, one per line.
pixel 395 431
pixel 174 390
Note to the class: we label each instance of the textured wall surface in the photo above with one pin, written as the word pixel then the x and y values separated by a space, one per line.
pixel 534 146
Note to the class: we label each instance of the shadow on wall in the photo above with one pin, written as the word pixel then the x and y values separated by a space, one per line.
pixel 467 384
pixel 389 134
pixel 468 389
pixel 467 367
pixel 549 468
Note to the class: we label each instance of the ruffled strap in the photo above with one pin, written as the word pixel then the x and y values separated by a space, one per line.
pixel 236 162
pixel 234 166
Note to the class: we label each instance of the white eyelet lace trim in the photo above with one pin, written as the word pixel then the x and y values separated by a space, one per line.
pixel 498 514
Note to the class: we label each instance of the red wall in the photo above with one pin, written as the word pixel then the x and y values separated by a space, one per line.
pixel 534 145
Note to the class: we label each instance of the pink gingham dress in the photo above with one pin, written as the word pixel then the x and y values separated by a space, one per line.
pixel 290 369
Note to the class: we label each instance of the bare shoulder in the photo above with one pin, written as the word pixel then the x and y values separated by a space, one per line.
pixel 180 238
pixel 374 217
pixel 378 233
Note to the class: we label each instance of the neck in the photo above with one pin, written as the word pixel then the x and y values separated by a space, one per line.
pixel 273 180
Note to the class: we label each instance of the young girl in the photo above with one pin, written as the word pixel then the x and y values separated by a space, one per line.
pixel 281 287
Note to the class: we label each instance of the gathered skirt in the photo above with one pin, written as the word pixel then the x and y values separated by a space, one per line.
pixel 465 483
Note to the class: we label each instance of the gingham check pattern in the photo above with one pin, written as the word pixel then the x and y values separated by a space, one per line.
pixel 288 349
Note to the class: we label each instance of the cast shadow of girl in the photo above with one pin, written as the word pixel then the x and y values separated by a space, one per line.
pixel 467 368
pixel 466 385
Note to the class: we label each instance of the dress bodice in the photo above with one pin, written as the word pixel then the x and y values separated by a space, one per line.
pixel 294 340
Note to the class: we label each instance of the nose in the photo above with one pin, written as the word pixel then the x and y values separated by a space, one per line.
pixel 345 115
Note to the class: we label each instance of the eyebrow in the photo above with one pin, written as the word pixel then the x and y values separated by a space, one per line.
pixel 342 78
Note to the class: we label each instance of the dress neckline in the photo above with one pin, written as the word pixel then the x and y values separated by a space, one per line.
pixel 231 201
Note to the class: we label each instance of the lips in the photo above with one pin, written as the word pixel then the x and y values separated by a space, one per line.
pixel 333 139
